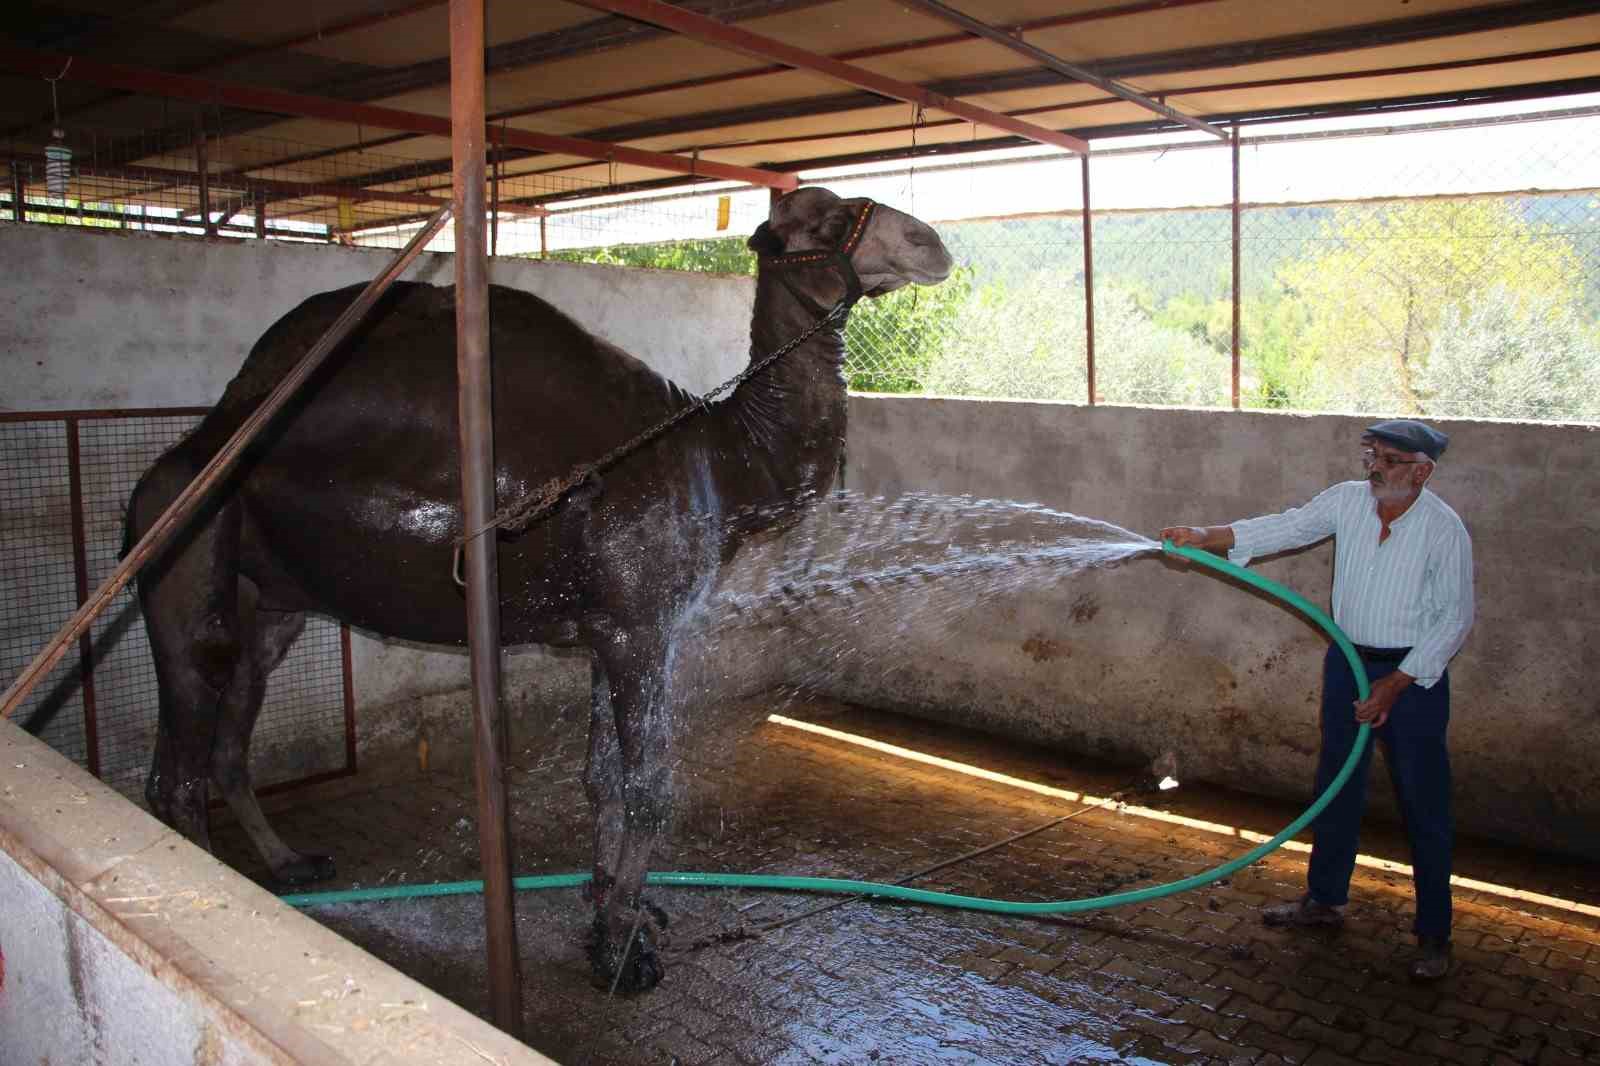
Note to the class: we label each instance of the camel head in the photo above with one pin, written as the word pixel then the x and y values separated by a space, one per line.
pixel 895 250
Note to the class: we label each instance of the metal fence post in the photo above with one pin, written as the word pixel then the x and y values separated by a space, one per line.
pixel 19 194
pixel 1088 282
pixel 202 172
pixel 1237 295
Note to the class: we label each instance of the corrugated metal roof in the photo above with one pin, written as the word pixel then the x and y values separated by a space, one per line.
pixel 576 70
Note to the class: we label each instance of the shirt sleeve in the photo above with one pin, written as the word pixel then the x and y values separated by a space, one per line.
pixel 1450 579
pixel 1294 528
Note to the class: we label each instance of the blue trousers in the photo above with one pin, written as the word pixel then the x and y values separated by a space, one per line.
pixel 1413 740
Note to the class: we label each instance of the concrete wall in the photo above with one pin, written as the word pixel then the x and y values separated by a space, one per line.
pixel 121 942
pixel 106 318
pixel 95 318
pixel 1154 656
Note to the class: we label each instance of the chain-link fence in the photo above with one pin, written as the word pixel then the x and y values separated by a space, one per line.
pixel 1448 269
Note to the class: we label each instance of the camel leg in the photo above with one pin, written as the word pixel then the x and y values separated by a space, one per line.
pixel 623 949
pixel 269 634
pixel 189 599
pixel 602 781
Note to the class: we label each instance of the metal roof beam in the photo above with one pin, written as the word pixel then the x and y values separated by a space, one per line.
pixel 722 35
pixel 1059 65
pixel 277 102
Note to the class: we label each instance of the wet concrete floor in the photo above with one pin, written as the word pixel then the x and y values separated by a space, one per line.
pixel 1190 978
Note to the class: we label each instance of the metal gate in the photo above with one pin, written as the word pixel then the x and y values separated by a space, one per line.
pixel 65 478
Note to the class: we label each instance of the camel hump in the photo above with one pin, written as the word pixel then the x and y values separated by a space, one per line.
pixel 525 328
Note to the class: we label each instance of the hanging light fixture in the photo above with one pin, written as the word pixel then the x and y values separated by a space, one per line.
pixel 57 155
pixel 57 164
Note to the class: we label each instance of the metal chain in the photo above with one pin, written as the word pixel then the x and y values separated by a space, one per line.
pixel 520 513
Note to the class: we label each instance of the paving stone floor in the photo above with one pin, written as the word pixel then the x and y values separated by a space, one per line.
pixel 1189 978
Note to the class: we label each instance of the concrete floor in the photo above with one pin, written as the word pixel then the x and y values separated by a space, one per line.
pixel 1190 978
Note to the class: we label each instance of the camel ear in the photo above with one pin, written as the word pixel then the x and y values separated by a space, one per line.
pixel 765 242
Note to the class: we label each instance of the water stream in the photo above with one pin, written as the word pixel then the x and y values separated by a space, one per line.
pixel 859 573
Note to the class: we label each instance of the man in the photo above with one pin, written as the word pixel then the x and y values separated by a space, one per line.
pixel 1402 593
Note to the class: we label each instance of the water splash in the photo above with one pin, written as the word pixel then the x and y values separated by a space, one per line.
pixel 855 567
pixel 852 545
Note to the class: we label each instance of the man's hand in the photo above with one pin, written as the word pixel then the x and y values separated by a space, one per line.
pixel 1210 538
pixel 1374 710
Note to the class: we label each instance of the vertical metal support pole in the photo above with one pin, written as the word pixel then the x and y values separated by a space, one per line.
pixel 1088 281
pixel 1237 295
pixel 80 578
pixel 19 194
pixel 494 207
pixel 203 175
pixel 467 137
pixel 347 669
pixel 544 238
pixel 261 213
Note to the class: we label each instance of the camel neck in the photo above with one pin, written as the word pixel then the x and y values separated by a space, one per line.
pixel 790 417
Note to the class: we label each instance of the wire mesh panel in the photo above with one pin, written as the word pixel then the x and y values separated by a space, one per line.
pixel 1009 321
pixel 38 592
pixel 1436 271
pixel 302 730
pixel 701 231
pixel 114 453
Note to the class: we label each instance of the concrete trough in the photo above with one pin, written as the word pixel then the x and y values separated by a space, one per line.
pixel 124 943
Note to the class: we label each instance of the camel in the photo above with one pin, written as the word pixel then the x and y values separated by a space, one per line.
pixel 349 506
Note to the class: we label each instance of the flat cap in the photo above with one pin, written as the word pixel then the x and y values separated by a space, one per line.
pixel 1412 435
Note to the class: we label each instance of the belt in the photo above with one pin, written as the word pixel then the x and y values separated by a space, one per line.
pixel 1382 655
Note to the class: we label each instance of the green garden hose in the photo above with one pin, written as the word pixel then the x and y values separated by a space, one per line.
pixel 944 899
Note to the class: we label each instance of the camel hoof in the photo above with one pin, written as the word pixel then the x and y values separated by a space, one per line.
pixel 305 870
pixel 638 971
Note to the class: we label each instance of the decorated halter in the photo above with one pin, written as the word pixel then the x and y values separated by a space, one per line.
pixel 838 257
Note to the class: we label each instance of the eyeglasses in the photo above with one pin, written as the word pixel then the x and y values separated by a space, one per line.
pixel 1373 457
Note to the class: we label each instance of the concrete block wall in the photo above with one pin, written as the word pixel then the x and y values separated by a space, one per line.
pixel 1155 655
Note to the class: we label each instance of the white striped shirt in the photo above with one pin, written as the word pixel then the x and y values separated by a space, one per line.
pixel 1413 590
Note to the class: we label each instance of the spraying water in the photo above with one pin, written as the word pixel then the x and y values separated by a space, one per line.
pixel 853 545
pixel 841 586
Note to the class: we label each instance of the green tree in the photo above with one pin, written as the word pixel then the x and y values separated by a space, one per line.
pixel 1028 342
pixel 720 255
pixel 1023 342
pixel 1513 355
pixel 1276 368
pixel 893 339
pixel 1402 285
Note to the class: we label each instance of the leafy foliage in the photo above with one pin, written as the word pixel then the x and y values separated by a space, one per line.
pixel 721 255
pixel 1392 282
pixel 916 324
